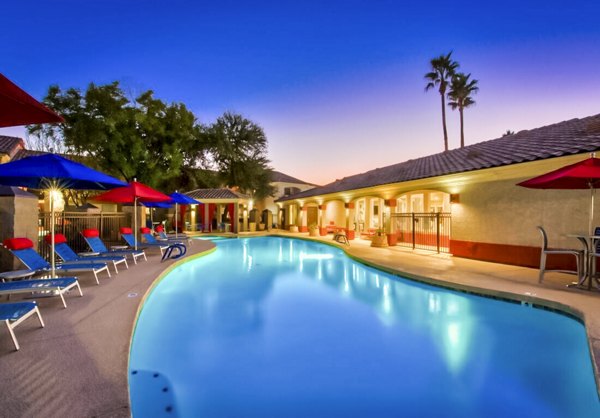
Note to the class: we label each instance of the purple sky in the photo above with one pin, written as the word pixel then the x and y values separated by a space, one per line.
pixel 337 86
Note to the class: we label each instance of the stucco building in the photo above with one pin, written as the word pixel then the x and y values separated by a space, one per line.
pixel 464 201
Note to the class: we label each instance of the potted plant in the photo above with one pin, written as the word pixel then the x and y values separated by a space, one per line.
pixel 293 228
pixel 380 238
pixel 313 230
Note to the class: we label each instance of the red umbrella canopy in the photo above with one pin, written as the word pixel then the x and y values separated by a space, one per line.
pixel 19 108
pixel 581 175
pixel 132 192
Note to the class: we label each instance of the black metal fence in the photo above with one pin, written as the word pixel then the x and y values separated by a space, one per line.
pixel 427 231
pixel 70 224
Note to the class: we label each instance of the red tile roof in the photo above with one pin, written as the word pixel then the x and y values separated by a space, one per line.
pixel 570 137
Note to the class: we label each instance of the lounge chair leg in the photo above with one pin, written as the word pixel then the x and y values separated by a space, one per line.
pixel 126 265
pixel 116 269
pixel 79 288
pixel 12 335
pixel 96 276
pixel 62 297
pixel 39 316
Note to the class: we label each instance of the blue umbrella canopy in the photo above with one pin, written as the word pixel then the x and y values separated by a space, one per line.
pixel 183 199
pixel 163 205
pixel 53 171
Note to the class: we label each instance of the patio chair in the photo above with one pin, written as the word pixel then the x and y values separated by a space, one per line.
pixel 127 235
pixel 69 256
pixel 22 248
pixel 13 314
pixel 578 254
pixel 92 238
pixel 594 255
pixel 341 237
pixel 56 287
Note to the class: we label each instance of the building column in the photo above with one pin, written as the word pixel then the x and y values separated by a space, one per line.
pixel 193 209
pixel 303 220
pixel 390 207
pixel 322 228
pixel 245 219
pixel 350 220
pixel 235 218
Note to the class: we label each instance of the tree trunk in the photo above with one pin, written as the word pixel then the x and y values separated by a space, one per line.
pixel 462 128
pixel 444 121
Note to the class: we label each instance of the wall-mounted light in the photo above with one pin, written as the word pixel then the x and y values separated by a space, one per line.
pixel 454 198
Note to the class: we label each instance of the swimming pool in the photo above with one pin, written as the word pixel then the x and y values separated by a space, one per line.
pixel 290 328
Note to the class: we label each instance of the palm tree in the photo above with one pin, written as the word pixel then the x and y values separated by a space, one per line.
pixel 442 70
pixel 461 89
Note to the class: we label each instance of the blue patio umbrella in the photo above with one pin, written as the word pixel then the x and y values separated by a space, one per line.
pixel 53 172
pixel 181 199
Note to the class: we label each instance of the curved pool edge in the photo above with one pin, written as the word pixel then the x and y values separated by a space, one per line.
pixel 547 301
pixel 543 297
pixel 149 290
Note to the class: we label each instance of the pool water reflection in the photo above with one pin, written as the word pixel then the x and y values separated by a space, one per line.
pixel 290 328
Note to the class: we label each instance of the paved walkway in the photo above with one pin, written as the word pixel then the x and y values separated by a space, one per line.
pixel 77 365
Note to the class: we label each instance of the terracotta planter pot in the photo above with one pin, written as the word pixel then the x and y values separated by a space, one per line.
pixel 293 228
pixel 322 231
pixel 379 241
pixel 350 233
pixel 313 232
pixel 392 239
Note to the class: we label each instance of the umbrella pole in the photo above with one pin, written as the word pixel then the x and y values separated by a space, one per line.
pixel 175 219
pixel 52 223
pixel 591 225
pixel 135 223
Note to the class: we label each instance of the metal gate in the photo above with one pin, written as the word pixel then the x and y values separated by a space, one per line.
pixel 427 231
pixel 70 224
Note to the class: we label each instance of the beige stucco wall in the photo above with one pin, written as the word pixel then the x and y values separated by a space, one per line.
pixel 503 213
pixel 18 218
pixel 269 202
pixel 334 212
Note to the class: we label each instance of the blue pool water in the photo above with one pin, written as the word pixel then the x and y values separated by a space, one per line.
pixel 276 327
pixel 212 237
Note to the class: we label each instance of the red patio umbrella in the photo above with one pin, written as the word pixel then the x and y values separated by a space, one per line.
pixel 581 175
pixel 134 192
pixel 19 108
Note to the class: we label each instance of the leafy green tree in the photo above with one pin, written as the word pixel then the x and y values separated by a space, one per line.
pixel 144 138
pixel 442 70
pixel 239 154
pixel 460 97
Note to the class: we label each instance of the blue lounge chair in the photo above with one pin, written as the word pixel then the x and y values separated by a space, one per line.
pixel 58 286
pixel 69 256
pixel 13 314
pixel 127 235
pixel 162 236
pixel 149 238
pixel 92 238
pixel 22 248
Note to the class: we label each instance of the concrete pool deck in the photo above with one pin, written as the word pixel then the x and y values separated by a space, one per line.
pixel 77 365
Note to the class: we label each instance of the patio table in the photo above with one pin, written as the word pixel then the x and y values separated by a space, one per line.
pixel 589 243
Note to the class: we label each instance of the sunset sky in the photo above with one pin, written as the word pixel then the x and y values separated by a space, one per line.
pixel 337 85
